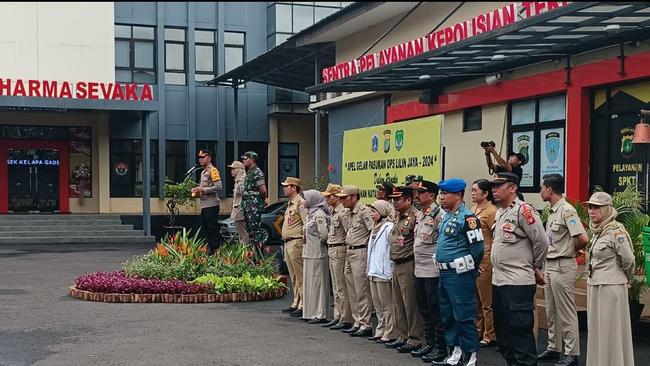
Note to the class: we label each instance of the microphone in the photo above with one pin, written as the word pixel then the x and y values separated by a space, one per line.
pixel 192 169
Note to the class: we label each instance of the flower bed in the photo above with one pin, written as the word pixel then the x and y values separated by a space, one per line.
pixel 179 269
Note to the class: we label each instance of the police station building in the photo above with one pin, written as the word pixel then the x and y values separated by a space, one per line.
pixel 77 80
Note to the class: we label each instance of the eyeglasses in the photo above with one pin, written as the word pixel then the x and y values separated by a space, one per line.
pixel 593 207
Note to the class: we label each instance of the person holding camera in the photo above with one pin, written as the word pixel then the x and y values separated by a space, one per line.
pixel 513 165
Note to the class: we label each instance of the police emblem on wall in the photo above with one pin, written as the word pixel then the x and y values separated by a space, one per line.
pixel 627 147
pixel 399 139
pixel 523 143
pixel 121 168
pixel 387 141
pixel 552 146
pixel 375 143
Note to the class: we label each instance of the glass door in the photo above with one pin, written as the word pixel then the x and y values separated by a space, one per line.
pixel 33 176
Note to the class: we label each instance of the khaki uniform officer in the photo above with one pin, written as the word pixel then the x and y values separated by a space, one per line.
pixel 336 250
pixel 565 235
pixel 408 320
pixel 238 172
pixel 356 278
pixel 518 252
pixel 208 191
pixel 295 218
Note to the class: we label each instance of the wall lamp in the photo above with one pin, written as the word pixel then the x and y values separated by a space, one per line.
pixel 492 79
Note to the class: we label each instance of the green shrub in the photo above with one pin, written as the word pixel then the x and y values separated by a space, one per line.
pixel 245 283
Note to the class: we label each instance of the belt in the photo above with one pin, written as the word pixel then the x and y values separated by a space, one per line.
pixel 403 260
pixel 335 245
pixel 358 247
pixel 448 265
pixel 550 259
pixel 290 239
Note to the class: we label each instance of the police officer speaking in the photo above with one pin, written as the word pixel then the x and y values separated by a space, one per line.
pixel 208 192
pixel 518 252
pixel 459 252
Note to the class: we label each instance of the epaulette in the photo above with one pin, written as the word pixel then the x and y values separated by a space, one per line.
pixel 214 174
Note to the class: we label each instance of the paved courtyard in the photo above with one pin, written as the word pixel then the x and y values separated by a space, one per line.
pixel 41 325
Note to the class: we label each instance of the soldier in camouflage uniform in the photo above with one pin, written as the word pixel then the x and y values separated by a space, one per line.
pixel 253 197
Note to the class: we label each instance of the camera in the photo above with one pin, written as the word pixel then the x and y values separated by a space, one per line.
pixel 485 144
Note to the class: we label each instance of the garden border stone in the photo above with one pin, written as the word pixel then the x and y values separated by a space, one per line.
pixel 175 298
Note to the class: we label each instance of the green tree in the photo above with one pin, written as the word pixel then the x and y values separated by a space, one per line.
pixel 177 196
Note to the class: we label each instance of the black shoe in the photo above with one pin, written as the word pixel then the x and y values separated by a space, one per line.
pixel 340 326
pixel 436 357
pixel 296 314
pixel 422 351
pixel 407 348
pixel 567 360
pixel 289 310
pixel 317 321
pixel 350 330
pixel 362 332
pixel 394 344
pixel 331 324
pixel 548 355
pixel 485 344
pixel 374 338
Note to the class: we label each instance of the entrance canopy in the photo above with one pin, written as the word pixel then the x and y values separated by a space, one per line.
pixel 569 30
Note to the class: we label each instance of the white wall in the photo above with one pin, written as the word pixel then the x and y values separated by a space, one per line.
pixel 57 41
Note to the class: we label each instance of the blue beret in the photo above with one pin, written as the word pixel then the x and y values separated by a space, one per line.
pixel 452 185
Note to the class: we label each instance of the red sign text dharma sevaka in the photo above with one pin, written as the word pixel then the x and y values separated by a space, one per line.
pixel 78 90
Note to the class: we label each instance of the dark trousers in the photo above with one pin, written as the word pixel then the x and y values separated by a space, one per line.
pixel 210 227
pixel 513 322
pixel 457 296
pixel 426 294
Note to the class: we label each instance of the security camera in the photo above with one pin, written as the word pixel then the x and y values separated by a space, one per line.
pixel 493 78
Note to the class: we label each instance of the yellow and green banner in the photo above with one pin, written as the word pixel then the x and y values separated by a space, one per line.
pixel 390 152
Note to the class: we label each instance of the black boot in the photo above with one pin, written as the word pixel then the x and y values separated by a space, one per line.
pixel 436 357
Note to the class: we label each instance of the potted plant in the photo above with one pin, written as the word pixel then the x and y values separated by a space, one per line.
pixel 177 195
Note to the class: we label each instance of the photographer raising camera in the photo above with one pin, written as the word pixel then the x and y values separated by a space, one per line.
pixel 513 165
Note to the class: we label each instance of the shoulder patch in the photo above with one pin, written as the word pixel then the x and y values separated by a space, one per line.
pixel 472 222
pixel 214 174
pixel 528 214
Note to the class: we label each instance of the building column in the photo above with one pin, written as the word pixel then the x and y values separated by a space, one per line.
pixel 104 163
pixel 272 159
pixel 577 143
pixel 146 175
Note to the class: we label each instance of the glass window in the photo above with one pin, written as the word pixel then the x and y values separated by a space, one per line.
pixel 174 78
pixel 552 108
pixel 174 56
pixel 203 36
pixel 126 168
pixel 233 38
pixel 144 54
pixel 174 34
pixel 176 159
pixel 283 18
pixel 321 13
pixel 122 53
pixel 288 162
pixel 234 57
pixel 204 58
pixel 472 119
pixel 135 54
pixel 523 112
pixel 303 17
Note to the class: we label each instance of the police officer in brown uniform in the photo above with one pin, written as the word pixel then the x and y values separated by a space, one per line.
pixel 336 250
pixel 566 235
pixel 383 190
pixel 427 274
pixel 295 217
pixel 208 192
pixel 518 253
pixel 356 279
pixel 408 320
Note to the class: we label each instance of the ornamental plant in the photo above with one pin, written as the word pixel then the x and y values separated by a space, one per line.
pixel 245 283
pixel 119 282
pixel 177 195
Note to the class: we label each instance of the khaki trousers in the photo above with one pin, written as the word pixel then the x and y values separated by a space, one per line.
pixel 342 310
pixel 560 275
pixel 241 231
pixel 408 320
pixel 293 258
pixel 356 281
pixel 382 298
pixel 484 316
pixel 316 288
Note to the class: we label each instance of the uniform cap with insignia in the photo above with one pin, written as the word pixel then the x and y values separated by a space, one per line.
pixel 427 186
pixel 452 185
pixel 385 186
pixel 331 189
pixel 203 153
pixel 249 155
pixel 505 178
pixel 348 190
pixel 401 192
pixel 291 181
pixel 236 165
pixel 600 199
